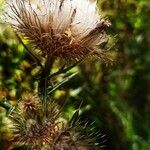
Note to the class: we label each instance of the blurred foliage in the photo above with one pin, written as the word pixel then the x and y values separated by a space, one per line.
pixel 115 97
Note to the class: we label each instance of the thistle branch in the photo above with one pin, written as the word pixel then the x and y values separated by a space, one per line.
pixel 63 70
pixel 62 82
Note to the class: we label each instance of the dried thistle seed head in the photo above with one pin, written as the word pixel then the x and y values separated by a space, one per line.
pixel 66 29
pixel 75 137
pixel 29 103
pixel 35 131
pixel 31 133
pixel 49 132
pixel 72 140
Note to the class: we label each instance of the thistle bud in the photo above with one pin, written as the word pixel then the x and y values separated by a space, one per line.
pixel 30 126
pixel 29 103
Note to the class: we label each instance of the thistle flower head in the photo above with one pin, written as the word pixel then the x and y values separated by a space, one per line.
pixel 49 132
pixel 30 127
pixel 66 29
pixel 29 103
pixel 75 138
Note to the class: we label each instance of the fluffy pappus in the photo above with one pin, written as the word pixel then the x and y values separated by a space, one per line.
pixel 65 29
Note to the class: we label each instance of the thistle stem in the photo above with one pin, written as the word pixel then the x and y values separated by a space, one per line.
pixel 43 83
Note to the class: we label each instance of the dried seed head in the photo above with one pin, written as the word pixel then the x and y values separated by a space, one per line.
pixel 29 103
pixel 75 138
pixel 66 29
pixel 31 133
pixel 35 131
pixel 48 132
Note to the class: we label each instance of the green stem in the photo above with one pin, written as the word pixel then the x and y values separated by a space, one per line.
pixel 62 82
pixel 4 103
pixel 43 84
pixel 63 70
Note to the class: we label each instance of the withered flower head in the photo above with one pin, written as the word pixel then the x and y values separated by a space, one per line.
pixel 29 103
pixel 34 131
pixel 66 29
pixel 40 132
pixel 77 136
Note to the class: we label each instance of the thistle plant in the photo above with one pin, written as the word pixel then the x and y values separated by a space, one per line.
pixel 68 31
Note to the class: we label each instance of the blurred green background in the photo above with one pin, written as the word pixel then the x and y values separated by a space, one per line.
pixel 115 97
